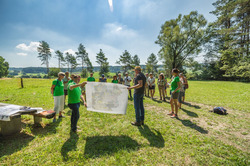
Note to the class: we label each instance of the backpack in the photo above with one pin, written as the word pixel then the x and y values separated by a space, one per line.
pixel 220 110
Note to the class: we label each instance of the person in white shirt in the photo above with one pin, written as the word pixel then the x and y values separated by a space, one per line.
pixel 127 80
pixel 151 84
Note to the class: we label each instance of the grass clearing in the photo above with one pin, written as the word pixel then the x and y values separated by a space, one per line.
pixel 197 138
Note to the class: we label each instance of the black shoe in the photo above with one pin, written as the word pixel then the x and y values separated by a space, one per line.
pixel 136 123
pixel 142 122
pixel 61 116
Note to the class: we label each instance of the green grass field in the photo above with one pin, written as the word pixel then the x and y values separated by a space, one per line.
pixel 198 137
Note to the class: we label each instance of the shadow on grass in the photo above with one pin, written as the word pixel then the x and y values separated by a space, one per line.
pixel 190 124
pixel 48 129
pixel 69 145
pixel 14 143
pixel 190 113
pixel 155 140
pixel 190 105
pixel 158 101
pixel 105 145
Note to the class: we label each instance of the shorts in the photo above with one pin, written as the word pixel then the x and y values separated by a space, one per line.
pixel 58 103
pixel 181 94
pixel 65 92
pixel 175 95
pixel 151 87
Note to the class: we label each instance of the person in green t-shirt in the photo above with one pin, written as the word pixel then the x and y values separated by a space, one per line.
pixel 175 90
pixel 57 90
pixel 115 80
pixel 74 96
pixel 91 78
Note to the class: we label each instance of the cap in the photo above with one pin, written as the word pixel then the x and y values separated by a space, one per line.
pixel 150 74
pixel 61 73
pixel 137 68
pixel 119 74
pixel 102 75
pixel 126 73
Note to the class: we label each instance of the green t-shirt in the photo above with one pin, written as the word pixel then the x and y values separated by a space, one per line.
pixel 70 81
pixel 174 84
pixel 59 88
pixel 114 81
pixel 91 79
pixel 74 95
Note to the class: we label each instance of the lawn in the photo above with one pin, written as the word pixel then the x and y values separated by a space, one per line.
pixel 198 137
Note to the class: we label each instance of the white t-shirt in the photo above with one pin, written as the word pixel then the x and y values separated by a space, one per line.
pixel 126 80
pixel 151 81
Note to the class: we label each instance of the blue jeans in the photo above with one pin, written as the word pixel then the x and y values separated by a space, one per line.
pixel 75 115
pixel 139 108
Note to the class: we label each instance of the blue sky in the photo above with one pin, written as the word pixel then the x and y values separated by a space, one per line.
pixel 133 25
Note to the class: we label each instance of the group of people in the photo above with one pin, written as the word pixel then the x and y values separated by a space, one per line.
pixel 70 86
pixel 143 83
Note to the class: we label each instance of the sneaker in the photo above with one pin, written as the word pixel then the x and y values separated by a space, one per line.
pixel 61 116
pixel 136 123
pixel 170 113
pixel 174 116
pixel 54 120
pixel 142 122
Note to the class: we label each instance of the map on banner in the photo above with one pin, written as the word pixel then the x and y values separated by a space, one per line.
pixel 106 97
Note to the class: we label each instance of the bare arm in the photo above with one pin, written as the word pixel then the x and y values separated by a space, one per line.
pixel 77 85
pixel 84 102
pixel 52 89
pixel 179 87
pixel 139 85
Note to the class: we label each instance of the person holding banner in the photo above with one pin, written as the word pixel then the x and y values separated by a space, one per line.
pixel 74 96
pixel 139 85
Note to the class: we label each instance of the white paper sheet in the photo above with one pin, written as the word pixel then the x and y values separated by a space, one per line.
pixel 106 97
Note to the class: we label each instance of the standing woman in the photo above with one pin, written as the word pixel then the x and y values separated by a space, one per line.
pixel 151 85
pixel 175 90
pixel 161 86
pixel 57 90
pixel 115 80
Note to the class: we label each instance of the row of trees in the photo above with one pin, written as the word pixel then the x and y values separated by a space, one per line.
pixel 126 60
pixel 4 67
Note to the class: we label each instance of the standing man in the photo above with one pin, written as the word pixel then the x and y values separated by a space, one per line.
pixel 103 79
pixel 74 96
pixel 127 80
pixel 120 80
pixel 65 83
pixel 91 78
pixel 139 86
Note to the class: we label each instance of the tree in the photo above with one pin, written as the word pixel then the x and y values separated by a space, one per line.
pixel 136 61
pixel 44 53
pixel 54 72
pixel 231 37
pixel 4 67
pixel 181 37
pixel 90 67
pixel 59 56
pixel 71 61
pixel 82 54
pixel 125 61
pixel 151 64
pixel 103 62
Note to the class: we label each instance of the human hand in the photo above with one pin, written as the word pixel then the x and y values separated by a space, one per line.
pixel 85 104
pixel 83 83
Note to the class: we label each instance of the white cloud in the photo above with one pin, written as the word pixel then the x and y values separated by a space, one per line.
pixel 22 54
pixel 69 51
pixel 31 47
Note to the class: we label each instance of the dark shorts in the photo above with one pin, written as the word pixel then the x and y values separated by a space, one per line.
pixel 65 92
pixel 151 87
pixel 175 95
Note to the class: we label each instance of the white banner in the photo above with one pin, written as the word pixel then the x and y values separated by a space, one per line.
pixel 106 97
